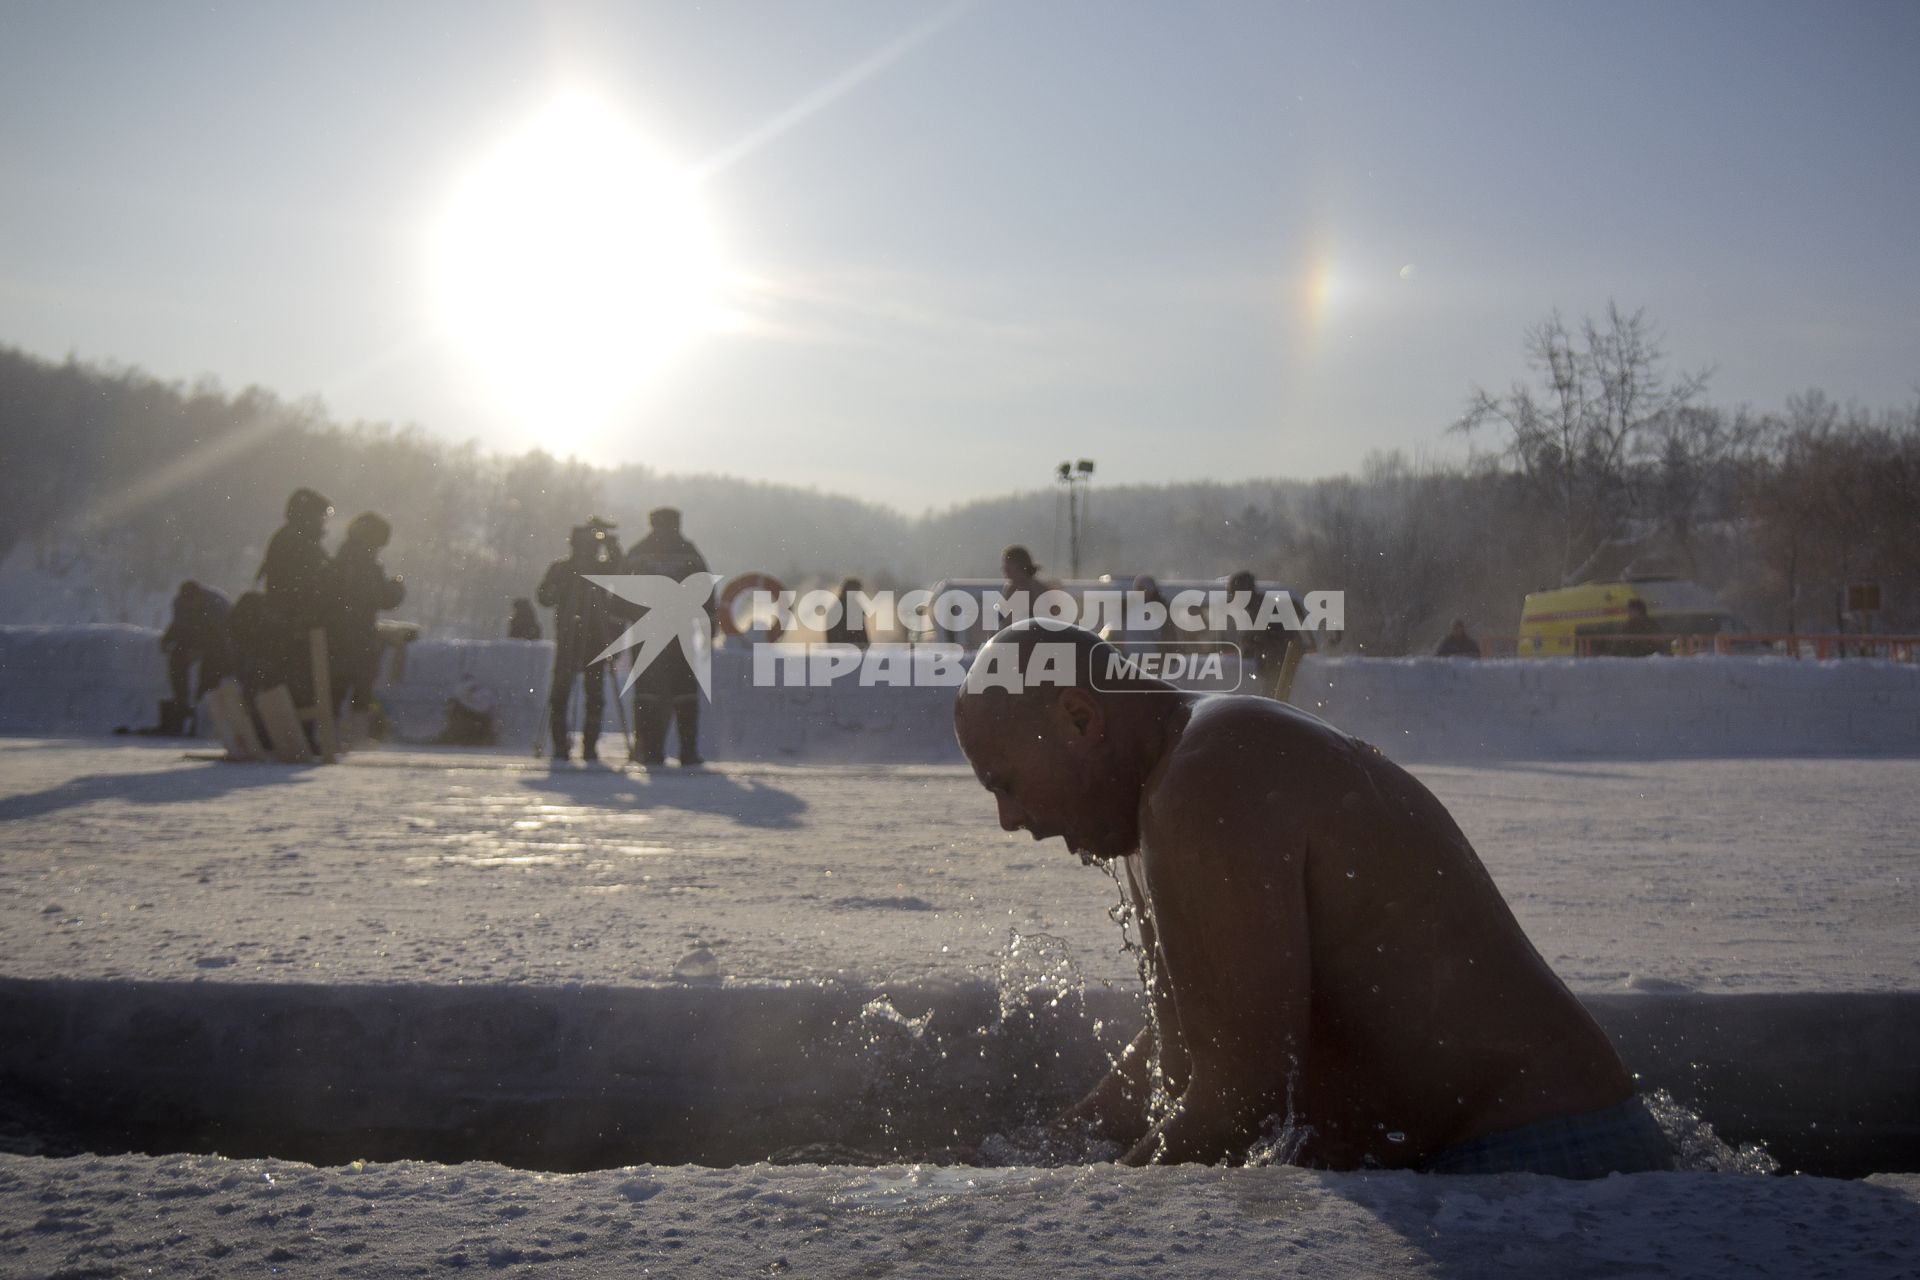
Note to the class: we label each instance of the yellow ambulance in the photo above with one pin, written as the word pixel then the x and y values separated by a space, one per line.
pixel 1554 624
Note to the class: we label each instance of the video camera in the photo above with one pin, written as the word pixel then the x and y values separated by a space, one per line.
pixel 597 534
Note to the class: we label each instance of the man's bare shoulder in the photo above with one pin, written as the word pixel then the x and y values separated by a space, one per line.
pixel 1248 733
pixel 1237 758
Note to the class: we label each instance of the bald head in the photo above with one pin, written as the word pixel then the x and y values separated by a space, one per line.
pixel 1019 674
pixel 1028 665
pixel 1053 722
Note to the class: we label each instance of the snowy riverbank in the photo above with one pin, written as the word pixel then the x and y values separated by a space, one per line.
pixel 85 680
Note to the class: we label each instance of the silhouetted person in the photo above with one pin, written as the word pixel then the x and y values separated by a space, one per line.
pixel 470 720
pixel 295 576
pixel 1320 942
pixel 1265 645
pixel 666 695
pixel 524 624
pixel 359 589
pixel 1136 638
pixel 196 634
pixel 583 623
pixel 851 626
pixel 1457 643
pixel 1023 576
pixel 255 640
pixel 1638 623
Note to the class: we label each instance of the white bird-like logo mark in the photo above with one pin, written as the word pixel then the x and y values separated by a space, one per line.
pixel 674 611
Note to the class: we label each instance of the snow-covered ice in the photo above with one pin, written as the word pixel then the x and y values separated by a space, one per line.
pixel 132 861
pixel 137 862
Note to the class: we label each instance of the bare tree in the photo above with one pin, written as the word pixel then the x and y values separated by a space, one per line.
pixel 1599 394
pixel 1692 459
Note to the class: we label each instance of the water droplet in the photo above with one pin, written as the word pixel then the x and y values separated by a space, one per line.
pixel 1396 1136
pixel 1351 873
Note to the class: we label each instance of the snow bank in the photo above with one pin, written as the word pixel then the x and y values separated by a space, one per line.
pixel 79 679
pixel 87 679
pixel 1438 708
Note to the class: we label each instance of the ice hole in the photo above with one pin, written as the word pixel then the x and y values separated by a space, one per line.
pixel 721 1074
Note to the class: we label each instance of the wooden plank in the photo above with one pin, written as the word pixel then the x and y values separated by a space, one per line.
pixel 284 730
pixel 1289 667
pixel 232 723
pixel 394 636
pixel 322 710
pixel 222 729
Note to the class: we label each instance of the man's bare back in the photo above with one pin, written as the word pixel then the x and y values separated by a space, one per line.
pixel 1323 943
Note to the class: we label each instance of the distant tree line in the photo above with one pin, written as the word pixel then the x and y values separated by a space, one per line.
pixel 121 484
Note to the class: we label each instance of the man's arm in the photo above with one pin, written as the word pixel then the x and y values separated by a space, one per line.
pixel 1224 874
pixel 1120 1105
pixel 1116 1109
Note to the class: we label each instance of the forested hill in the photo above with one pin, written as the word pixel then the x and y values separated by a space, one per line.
pixel 118 485
pixel 115 485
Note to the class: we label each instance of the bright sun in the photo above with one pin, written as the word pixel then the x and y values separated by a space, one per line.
pixel 571 263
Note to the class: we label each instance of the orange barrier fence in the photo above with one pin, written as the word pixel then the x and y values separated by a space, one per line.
pixel 1819 648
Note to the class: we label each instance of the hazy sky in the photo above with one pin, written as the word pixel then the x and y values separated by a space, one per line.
pixel 961 244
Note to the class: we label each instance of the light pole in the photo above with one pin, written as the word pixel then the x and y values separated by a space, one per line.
pixel 1075 477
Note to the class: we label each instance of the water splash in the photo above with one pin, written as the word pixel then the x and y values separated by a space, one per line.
pixel 1126 914
pixel 894 1056
pixel 1038 987
pixel 1282 1139
pixel 1046 1146
pixel 1697 1148
pixel 1034 964
pixel 884 1026
pixel 917 1186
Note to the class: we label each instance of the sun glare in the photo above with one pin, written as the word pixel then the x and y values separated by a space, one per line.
pixel 571 263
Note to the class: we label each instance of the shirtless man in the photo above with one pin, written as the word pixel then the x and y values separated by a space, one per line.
pixel 1323 944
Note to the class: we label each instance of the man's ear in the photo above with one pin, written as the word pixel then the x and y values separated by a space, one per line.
pixel 1082 712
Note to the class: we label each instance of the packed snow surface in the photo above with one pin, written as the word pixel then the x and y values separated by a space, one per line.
pixel 204 1216
pixel 139 862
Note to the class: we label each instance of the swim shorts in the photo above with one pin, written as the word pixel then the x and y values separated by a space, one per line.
pixel 1618 1139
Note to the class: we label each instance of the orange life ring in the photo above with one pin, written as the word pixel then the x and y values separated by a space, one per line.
pixel 741 584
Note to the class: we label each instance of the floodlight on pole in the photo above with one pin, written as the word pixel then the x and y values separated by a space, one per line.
pixel 1074 477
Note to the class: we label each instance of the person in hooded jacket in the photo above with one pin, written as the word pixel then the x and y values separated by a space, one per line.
pixel 357 591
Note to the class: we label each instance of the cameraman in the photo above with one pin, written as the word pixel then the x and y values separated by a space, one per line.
pixel 582 625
